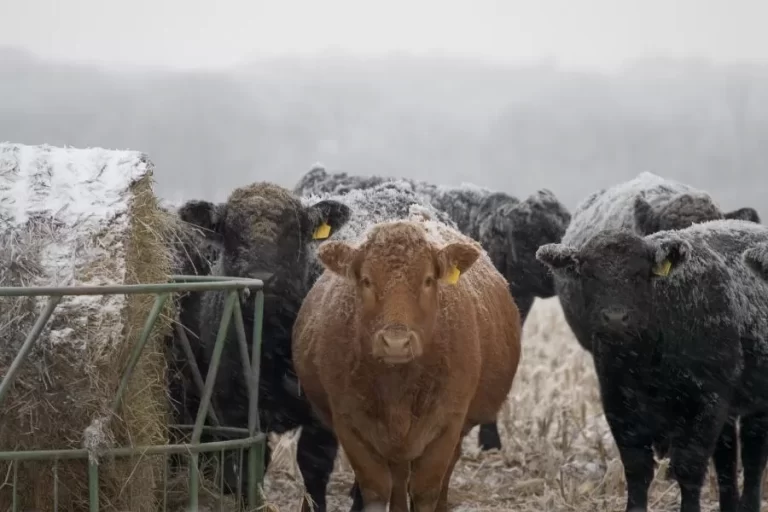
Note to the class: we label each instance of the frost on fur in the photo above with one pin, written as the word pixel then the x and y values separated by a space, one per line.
pixel 676 310
pixel 510 230
pixel 680 265
pixel 468 204
pixel 756 259
pixel 645 204
pixel 385 202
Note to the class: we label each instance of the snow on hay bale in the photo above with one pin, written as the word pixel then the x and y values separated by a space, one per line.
pixel 82 217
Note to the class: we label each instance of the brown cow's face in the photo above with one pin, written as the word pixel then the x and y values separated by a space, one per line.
pixel 398 274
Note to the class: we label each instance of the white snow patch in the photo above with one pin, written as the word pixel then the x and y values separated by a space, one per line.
pixel 80 193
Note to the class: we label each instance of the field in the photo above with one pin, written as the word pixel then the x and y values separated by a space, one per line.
pixel 558 454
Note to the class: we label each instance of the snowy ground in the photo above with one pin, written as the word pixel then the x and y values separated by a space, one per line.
pixel 558 454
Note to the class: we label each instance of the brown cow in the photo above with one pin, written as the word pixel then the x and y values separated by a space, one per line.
pixel 406 342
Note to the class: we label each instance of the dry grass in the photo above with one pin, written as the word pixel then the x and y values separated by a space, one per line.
pixel 63 393
pixel 558 454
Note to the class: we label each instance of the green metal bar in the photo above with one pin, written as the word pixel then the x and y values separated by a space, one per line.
pixel 237 431
pixel 255 440
pixel 194 482
pixel 242 341
pixel 222 461
pixel 196 376
pixel 240 477
pixel 130 289
pixel 178 283
pixel 29 342
pixel 157 307
pixel 193 278
pixel 56 485
pixel 256 451
pixel 15 486
pixel 210 380
pixel 93 486
pixel 258 322
pixel 165 482
pixel 128 451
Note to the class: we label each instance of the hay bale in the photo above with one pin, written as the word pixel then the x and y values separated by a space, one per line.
pixel 82 217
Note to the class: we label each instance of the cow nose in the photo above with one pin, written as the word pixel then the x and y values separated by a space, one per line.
pixel 397 345
pixel 615 317
pixel 397 341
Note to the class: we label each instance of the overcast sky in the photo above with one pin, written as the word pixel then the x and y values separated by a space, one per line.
pixel 215 33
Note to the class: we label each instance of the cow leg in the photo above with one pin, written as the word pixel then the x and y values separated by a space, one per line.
pixel 726 467
pixel 488 437
pixel 398 501
pixel 315 456
pixel 432 467
pixel 637 459
pixel 357 497
pixel 632 434
pixel 693 445
pixel 372 473
pixel 442 503
pixel 754 456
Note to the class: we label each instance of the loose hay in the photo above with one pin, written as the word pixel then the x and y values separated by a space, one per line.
pixel 82 217
pixel 558 453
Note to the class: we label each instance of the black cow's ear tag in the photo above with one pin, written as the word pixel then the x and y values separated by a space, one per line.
pixel 322 232
pixel 663 268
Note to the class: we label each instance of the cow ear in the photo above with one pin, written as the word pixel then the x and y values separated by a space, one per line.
pixel 326 217
pixel 646 222
pixel 339 257
pixel 206 216
pixel 756 259
pixel 307 183
pixel 455 259
pixel 669 254
pixel 745 213
pixel 559 257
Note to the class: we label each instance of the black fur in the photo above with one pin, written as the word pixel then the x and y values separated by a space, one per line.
pixel 193 255
pixel 756 259
pixel 746 213
pixel 679 212
pixel 644 205
pixel 265 229
pixel 679 357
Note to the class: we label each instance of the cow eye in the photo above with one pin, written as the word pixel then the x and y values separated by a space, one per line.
pixel 365 282
pixel 429 281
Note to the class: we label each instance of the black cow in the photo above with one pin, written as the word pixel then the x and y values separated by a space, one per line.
pixel 678 331
pixel 644 205
pixel 264 228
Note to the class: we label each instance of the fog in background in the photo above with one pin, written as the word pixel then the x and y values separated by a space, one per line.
pixel 511 95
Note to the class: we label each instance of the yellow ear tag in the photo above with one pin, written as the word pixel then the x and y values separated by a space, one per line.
pixel 663 268
pixel 323 231
pixel 453 276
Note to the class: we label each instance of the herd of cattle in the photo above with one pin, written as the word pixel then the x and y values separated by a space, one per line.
pixel 393 314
